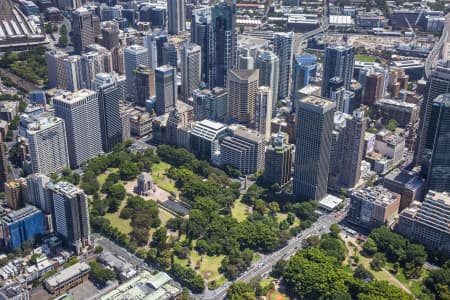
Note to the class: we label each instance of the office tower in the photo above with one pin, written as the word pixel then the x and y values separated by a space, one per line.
pixel 70 210
pixel 74 75
pixel 283 48
pixel 94 62
pixel 336 92
pixel 55 68
pixel 109 87
pixel 37 191
pixel 245 59
pixel 268 65
pixel 242 87
pixel 134 56
pixel 80 112
pixel 22 226
pixel 263 111
pixel 278 160
pixel 4 164
pixel 427 222
pixel 210 104
pixel 313 146
pixel 205 137
pixel 166 89
pixel 144 85
pixel 374 88
pixel 347 149
pixel 110 37
pixel 200 24
pixel 243 149
pixel 304 70
pixel 222 45
pixel 373 206
pixel 83 29
pixel 438 84
pixel 437 146
pixel 339 62
pixel 176 11
pixel 191 59
pixel 159 17
pixel 15 193
pixel 48 145
pixel 170 54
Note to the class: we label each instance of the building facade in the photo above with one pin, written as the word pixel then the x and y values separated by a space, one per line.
pixel 263 111
pixel 242 88
pixel 176 11
pixel 210 104
pixel 191 69
pixel 339 62
pixel 134 56
pixel 278 160
pixel 166 89
pixel 268 65
pixel 283 48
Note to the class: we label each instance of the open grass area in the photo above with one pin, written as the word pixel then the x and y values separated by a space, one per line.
pixel 165 216
pixel 365 58
pixel 102 177
pixel 161 180
pixel 240 210
pixel 121 224
pixel 207 266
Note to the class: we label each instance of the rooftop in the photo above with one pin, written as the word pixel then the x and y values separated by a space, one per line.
pixel 67 274
pixel 65 188
pixel 75 96
pixel 318 102
pixel 376 194
pixel 20 214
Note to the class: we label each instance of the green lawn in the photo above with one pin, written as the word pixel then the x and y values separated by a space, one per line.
pixel 102 177
pixel 164 216
pixel 365 58
pixel 161 180
pixel 208 265
pixel 121 224
pixel 240 210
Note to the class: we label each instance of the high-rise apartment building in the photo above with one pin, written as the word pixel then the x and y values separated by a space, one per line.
pixel 339 62
pixel 144 84
pixel 200 25
pixel 170 54
pixel 109 87
pixel 283 48
pixel 437 146
pixel 304 69
pixel 37 191
pixel 176 11
pixel 55 68
pixel 313 145
pixel 373 206
pixel 278 160
pixel 134 56
pixel 347 149
pixel 94 62
pixel 263 111
pixel 166 89
pixel 191 59
pixel 438 84
pixel 243 149
pixel 268 65
pixel 210 104
pixel 21 226
pixel 80 112
pixel 74 75
pixel 84 25
pixel 70 206
pixel 110 37
pixel 15 193
pixel 48 145
pixel 374 88
pixel 222 43
pixel 242 88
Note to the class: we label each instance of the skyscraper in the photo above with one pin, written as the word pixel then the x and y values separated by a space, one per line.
pixel 134 56
pixel 191 59
pixel 278 160
pixel 55 68
pixel 305 66
pixel 200 25
pixel 210 104
pixel 109 89
pixel 263 111
pixel 37 191
pixel 166 89
pixel 242 88
pixel 283 48
pixel 3 163
pixel 438 84
pixel 83 29
pixel 48 145
pixel 268 65
pixel 437 146
pixel 339 62
pixel 94 62
pixel 312 154
pixel 374 88
pixel 74 75
pixel 177 16
pixel 170 54
pixel 15 193
pixel 110 37
pixel 144 84
pixel 80 112
pixel 222 44
pixel 71 214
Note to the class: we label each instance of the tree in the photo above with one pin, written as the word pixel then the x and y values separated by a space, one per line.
pixel 159 238
pixel 188 278
pixel 241 291
pixel 128 170
pixel 48 28
pixel 140 235
pixel 378 261
pixel 362 273
pixel 335 230
pixel 98 249
pixel 279 268
pixel 201 246
pixel 392 125
pixel 89 183
pixel 370 247
pixel 99 274
pixel 117 191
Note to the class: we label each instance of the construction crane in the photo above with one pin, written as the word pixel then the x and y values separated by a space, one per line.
pixel 413 37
